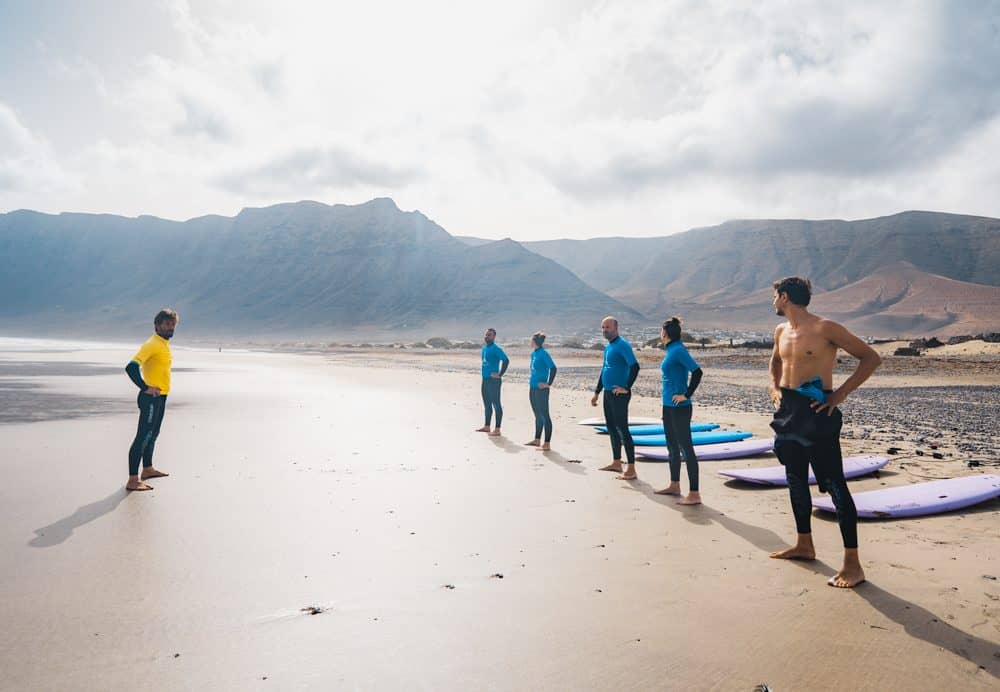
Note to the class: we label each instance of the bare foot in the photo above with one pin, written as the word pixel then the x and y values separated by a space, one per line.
pixel 615 466
pixel 546 447
pixel 485 428
pixel 495 433
pixel 803 550
pixel 137 485
pixel 629 474
pixel 693 498
pixel 851 574
pixel 153 473
pixel 672 489
pixel 533 443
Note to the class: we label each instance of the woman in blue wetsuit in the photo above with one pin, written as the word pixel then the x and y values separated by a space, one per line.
pixel 543 372
pixel 677 392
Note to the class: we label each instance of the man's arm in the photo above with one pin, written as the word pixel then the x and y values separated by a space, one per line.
pixel 775 368
pixel 868 359
pixel 503 364
pixel 134 374
pixel 633 373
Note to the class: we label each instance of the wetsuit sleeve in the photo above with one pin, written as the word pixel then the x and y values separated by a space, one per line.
pixel 503 365
pixel 695 381
pixel 600 385
pixel 552 374
pixel 132 370
pixel 633 373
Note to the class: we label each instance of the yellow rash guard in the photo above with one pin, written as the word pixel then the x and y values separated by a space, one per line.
pixel 154 359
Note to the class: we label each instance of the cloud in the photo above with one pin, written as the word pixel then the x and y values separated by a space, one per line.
pixel 199 118
pixel 566 118
pixel 314 169
pixel 26 160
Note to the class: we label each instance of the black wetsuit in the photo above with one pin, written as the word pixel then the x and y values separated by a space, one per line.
pixel 803 438
pixel 677 428
pixel 616 417
pixel 539 399
pixel 491 395
pixel 151 410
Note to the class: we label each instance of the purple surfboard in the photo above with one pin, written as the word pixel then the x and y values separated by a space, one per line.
pixel 775 475
pixel 918 499
pixel 722 450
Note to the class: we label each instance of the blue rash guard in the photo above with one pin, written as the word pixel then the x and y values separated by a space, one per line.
pixel 542 368
pixel 618 362
pixel 493 355
pixel 676 365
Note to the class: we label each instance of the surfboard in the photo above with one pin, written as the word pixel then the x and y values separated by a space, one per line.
pixel 854 466
pixel 636 420
pixel 919 499
pixel 658 429
pixel 709 452
pixel 698 438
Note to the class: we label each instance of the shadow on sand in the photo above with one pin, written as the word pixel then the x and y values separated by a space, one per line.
pixel 916 621
pixel 58 532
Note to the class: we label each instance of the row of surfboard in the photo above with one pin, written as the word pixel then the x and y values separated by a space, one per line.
pixel 918 499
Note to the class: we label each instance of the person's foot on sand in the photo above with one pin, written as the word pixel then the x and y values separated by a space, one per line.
pixel 153 473
pixel 533 443
pixel 693 498
pixel 802 550
pixel 546 447
pixel 137 485
pixel 485 428
pixel 851 574
pixel 615 466
pixel 672 489
pixel 629 475
pixel 495 432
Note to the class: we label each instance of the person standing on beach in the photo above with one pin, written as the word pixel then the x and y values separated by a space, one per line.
pixel 495 363
pixel 807 421
pixel 677 408
pixel 149 369
pixel 542 374
pixel 618 374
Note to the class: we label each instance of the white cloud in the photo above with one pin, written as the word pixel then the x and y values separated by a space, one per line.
pixel 541 120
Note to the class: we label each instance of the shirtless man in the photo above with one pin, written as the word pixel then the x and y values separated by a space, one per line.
pixel 807 421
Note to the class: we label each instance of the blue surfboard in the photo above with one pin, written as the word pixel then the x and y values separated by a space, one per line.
pixel 699 438
pixel 657 429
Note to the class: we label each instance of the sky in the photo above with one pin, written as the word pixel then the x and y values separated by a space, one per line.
pixel 530 120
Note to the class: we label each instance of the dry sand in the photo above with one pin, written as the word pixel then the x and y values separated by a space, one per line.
pixel 299 481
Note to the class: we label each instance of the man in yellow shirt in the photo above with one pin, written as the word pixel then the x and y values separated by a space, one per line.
pixel 153 382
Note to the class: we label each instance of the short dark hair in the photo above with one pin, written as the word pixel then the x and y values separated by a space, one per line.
pixel 491 329
pixel 538 338
pixel 165 315
pixel 673 328
pixel 798 290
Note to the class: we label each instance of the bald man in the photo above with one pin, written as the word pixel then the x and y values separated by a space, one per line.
pixel 617 377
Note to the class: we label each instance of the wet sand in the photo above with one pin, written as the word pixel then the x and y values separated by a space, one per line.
pixel 301 481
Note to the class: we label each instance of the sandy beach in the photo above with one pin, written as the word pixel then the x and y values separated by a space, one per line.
pixel 352 483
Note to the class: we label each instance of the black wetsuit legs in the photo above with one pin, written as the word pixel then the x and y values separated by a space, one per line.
pixel 151 410
pixel 491 399
pixel 539 399
pixel 677 428
pixel 616 416
pixel 796 459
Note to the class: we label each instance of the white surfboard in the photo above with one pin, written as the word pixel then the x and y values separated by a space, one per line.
pixel 775 475
pixel 919 499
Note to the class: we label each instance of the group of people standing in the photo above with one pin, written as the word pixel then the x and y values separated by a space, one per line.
pixel 807 420
pixel 680 376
